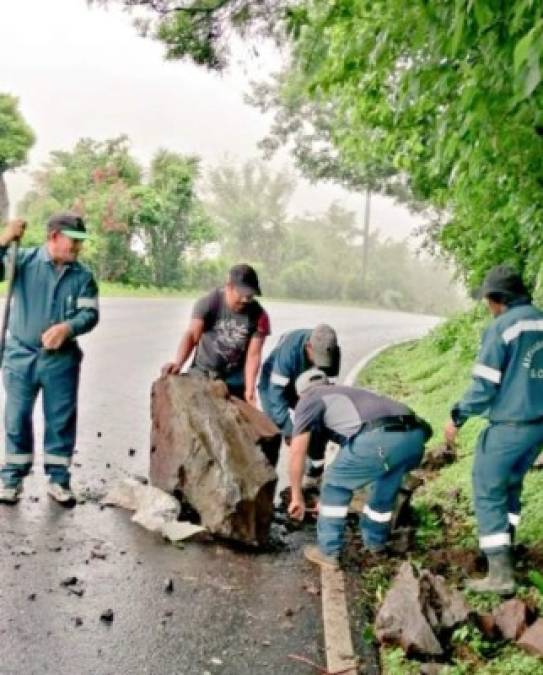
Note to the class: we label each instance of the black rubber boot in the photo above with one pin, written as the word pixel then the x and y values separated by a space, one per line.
pixel 500 577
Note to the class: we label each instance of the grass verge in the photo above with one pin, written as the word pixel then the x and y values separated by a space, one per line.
pixel 429 375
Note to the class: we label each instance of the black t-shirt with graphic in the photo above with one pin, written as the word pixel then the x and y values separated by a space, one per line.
pixel 224 343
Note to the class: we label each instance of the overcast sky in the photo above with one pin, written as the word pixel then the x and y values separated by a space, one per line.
pixel 86 73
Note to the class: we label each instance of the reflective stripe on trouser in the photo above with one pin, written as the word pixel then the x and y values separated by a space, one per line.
pixel 503 455
pixel 57 375
pixel 381 458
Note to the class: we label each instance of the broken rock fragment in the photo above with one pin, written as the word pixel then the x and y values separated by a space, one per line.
pixel 416 609
pixel 511 618
pixel 107 616
pixel 155 510
pixel 532 639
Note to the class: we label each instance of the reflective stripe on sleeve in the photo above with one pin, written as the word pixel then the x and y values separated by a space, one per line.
pixel 516 329
pixel 278 379
pixel 495 540
pixel 57 460
pixel 487 373
pixel 333 511
pixel 87 303
pixel 376 515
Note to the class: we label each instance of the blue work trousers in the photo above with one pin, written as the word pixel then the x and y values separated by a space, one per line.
pixel 56 374
pixel 380 458
pixel 504 453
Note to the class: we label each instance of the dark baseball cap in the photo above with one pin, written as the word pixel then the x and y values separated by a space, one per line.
pixel 245 279
pixel 502 279
pixel 324 342
pixel 70 224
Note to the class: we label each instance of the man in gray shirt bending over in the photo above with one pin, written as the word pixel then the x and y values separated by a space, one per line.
pixel 380 440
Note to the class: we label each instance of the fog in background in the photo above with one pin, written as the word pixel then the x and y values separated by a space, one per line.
pixel 81 72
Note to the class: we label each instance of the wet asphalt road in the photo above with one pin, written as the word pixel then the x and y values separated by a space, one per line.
pixel 230 612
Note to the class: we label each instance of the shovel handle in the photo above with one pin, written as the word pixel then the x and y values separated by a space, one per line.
pixel 13 250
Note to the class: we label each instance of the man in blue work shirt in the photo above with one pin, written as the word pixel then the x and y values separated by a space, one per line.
pixel 380 441
pixel 508 389
pixel 55 299
pixel 296 352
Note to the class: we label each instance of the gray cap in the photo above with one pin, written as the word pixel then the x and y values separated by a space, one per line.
pixel 505 280
pixel 311 378
pixel 324 342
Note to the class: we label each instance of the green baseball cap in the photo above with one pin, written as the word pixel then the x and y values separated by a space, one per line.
pixel 70 224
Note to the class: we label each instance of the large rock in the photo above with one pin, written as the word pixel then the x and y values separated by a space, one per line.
pixel 415 611
pixel 208 447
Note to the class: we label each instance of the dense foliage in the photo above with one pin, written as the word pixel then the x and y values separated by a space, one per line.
pixel 141 230
pixel 449 93
pixel 444 97
pixel 16 139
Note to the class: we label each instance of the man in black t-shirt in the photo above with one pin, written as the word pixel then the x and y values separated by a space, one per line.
pixel 227 332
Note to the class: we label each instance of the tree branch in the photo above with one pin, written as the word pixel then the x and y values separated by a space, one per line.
pixel 160 7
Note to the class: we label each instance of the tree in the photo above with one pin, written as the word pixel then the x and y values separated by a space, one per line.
pixel 95 179
pixel 140 231
pixel 201 29
pixel 168 218
pixel 16 139
pixel 249 205
pixel 450 93
pixel 308 126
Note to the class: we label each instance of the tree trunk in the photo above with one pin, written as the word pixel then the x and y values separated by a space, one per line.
pixel 4 201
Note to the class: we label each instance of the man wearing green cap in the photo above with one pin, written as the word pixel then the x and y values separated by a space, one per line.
pixel 507 388
pixel 55 299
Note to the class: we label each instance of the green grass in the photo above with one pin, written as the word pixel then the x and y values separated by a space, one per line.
pixel 111 290
pixel 430 375
pixel 116 290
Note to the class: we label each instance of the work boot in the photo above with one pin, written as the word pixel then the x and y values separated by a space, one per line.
pixel 62 495
pixel 10 495
pixel 500 577
pixel 315 555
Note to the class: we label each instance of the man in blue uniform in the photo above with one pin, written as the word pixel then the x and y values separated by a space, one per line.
pixel 55 299
pixel 380 441
pixel 508 389
pixel 296 352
